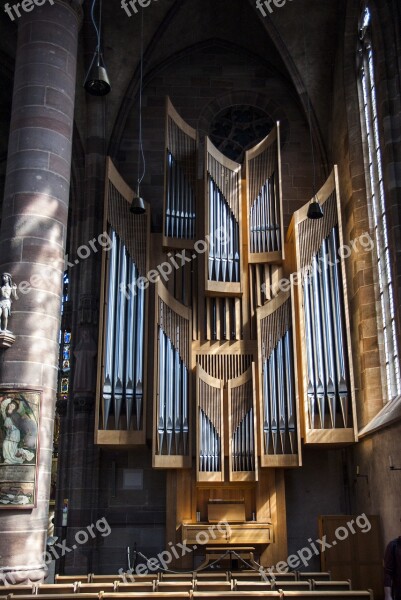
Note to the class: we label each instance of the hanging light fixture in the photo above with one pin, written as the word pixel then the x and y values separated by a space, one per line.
pixel 97 81
pixel 315 210
pixel 138 205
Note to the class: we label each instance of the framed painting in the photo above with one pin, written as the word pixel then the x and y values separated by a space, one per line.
pixel 19 427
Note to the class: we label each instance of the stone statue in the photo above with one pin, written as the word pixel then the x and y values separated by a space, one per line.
pixel 8 289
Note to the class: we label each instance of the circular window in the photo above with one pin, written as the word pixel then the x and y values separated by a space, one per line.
pixel 238 128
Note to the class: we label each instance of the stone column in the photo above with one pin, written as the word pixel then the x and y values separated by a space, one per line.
pixel 32 246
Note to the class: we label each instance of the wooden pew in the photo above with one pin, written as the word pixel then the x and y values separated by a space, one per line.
pixel 174 586
pixel 212 576
pixel 273 595
pixel 246 575
pixel 296 586
pixel 176 577
pixel 290 576
pixel 104 578
pixel 133 578
pixel 146 596
pixel 252 586
pixel 17 590
pixel 56 596
pixel 342 595
pixel 72 578
pixel 213 586
pixel 140 586
pixel 331 586
pixel 57 588
pixel 95 588
pixel 317 576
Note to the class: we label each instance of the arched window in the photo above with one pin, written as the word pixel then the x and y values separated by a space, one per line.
pixel 376 193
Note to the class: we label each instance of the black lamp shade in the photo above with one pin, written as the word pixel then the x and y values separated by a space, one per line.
pixel 137 206
pixel 315 211
pixel 97 81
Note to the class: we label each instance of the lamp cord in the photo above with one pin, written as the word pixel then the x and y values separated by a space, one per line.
pixel 309 115
pixel 98 30
pixel 140 148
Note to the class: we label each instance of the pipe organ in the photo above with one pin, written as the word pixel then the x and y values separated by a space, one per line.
pixel 180 181
pixel 324 344
pixel 122 389
pixel 279 408
pixel 264 200
pixel 223 223
pixel 241 372
pixel 172 382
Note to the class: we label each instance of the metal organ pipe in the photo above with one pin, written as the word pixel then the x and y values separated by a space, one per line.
pixel 180 201
pixel 172 404
pixel 325 338
pixel 224 251
pixel 111 309
pixel 279 416
pixel 123 370
pixel 130 360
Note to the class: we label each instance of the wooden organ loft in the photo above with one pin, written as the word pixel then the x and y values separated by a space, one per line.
pixel 207 357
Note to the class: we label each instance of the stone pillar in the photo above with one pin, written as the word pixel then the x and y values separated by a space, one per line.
pixel 32 246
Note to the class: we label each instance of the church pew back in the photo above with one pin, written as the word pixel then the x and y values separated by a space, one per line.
pixel 140 586
pixel 210 576
pixel 331 586
pixel 104 578
pixel 236 595
pixel 213 586
pixel 246 576
pixel 95 587
pixel 146 596
pixel 17 590
pixel 174 586
pixel 176 576
pixel 317 576
pixel 71 578
pixel 56 588
pixel 56 596
pixel 317 595
pixel 292 585
pixel 133 578
pixel 252 586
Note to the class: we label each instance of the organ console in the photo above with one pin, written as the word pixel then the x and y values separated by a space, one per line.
pixel 241 372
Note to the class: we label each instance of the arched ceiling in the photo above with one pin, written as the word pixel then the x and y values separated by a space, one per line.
pixel 171 26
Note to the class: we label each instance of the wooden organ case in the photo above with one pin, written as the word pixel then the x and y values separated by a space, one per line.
pixel 240 372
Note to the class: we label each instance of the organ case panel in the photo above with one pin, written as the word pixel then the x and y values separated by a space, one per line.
pixel 280 439
pixel 327 382
pixel 121 384
pixel 172 382
pixel 210 427
pixel 242 452
pixel 179 215
pixel 223 258
pixel 264 200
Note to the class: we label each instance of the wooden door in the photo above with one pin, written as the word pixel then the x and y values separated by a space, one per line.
pixel 359 556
